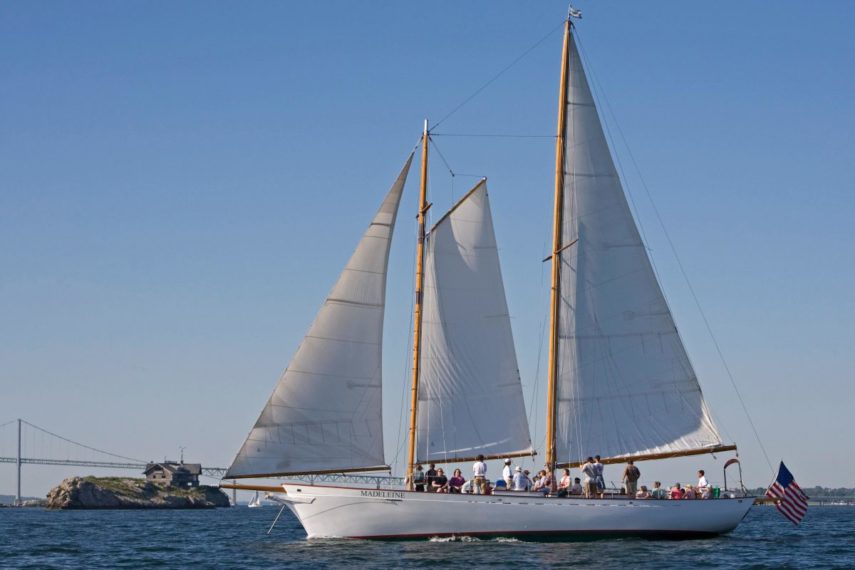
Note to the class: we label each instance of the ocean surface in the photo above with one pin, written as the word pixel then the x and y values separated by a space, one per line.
pixel 236 538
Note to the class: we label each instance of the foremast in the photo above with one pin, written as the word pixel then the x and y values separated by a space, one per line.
pixel 417 308
pixel 557 247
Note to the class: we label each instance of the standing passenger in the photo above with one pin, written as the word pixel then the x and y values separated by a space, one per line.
pixel 431 473
pixel 590 473
pixel 479 475
pixel 507 474
pixel 601 481
pixel 419 478
pixel 630 477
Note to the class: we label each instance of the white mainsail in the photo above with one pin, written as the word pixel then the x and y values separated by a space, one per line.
pixel 470 395
pixel 325 412
pixel 625 384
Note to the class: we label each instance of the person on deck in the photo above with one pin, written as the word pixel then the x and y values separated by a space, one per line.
pixel 642 493
pixel 689 493
pixel 576 489
pixel 520 481
pixel 658 492
pixel 479 475
pixel 630 478
pixel 544 485
pixel 507 473
pixel 440 482
pixel 419 479
pixel 431 473
pixel 565 483
pixel 676 491
pixel 455 484
pixel 600 479
pixel 702 481
pixel 590 473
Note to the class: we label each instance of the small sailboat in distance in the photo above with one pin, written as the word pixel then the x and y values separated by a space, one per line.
pixel 255 501
pixel 620 383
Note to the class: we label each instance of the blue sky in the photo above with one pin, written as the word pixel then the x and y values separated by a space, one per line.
pixel 180 184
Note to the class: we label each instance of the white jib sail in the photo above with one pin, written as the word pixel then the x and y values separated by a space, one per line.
pixel 470 395
pixel 325 412
pixel 625 383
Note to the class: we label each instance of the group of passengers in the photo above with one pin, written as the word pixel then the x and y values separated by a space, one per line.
pixel 518 479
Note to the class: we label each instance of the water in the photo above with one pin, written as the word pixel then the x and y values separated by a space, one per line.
pixel 235 538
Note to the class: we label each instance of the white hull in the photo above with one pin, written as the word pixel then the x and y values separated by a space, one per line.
pixel 341 512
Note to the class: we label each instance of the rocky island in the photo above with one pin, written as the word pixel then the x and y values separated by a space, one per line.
pixel 130 493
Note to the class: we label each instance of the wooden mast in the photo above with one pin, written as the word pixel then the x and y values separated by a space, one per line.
pixel 557 246
pixel 417 310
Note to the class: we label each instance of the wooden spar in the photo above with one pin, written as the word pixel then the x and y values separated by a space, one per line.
pixel 417 309
pixel 446 461
pixel 321 472
pixel 560 145
pixel 651 456
pixel 267 488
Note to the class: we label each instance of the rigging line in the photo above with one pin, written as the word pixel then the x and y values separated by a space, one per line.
pixel 500 73
pixel 7 423
pixel 82 445
pixel 495 136
pixel 442 156
pixel 688 284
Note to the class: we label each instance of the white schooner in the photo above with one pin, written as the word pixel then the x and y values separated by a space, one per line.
pixel 620 383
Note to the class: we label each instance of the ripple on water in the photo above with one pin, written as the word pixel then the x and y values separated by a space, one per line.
pixel 236 538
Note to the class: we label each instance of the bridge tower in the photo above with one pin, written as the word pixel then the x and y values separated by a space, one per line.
pixel 18 465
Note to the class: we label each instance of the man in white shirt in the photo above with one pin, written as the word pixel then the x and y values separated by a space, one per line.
pixel 702 481
pixel 521 482
pixel 507 474
pixel 479 475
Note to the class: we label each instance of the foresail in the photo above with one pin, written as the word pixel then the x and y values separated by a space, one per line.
pixel 625 384
pixel 470 395
pixel 325 412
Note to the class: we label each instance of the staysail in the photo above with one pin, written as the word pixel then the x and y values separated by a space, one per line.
pixel 325 413
pixel 625 386
pixel 470 395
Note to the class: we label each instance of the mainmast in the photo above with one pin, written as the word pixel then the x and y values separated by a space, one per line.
pixel 557 246
pixel 417 310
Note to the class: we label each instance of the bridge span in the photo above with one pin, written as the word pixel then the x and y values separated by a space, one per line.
pixel 116 461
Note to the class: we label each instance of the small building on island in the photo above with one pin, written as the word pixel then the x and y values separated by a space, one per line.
pixel 174 473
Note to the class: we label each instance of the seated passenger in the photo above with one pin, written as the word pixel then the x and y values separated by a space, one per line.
pixel 521 480
pixel 676 491
pixel 706 492
pixel 689 493
pixel 455 484
pixel 576 489
pixel 642 493
pixel 544 484
pixel 658 492
pixel 439 483
pixel 566 481
pixel 466 488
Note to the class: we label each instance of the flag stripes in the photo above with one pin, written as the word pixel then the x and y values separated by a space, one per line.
pixel 789 498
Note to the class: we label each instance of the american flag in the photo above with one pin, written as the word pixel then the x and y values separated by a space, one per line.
pixel 789 498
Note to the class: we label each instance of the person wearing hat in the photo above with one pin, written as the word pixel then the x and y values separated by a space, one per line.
pixel 507 474
pixel 520 480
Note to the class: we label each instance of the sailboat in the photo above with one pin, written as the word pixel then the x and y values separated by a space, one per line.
pixel 255 501
pixel 620 383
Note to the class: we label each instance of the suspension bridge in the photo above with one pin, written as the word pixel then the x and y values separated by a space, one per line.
pixel 23 443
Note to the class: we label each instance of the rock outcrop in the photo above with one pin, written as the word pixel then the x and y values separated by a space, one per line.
pixel 127 493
